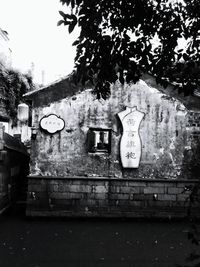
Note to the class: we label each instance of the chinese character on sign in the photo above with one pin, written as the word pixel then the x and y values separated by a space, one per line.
pixel 131 122
pixel 130 155
pixel 130 144
pixel 52 123
pixel 131 133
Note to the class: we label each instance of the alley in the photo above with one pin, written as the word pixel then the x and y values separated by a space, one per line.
pixel 86 242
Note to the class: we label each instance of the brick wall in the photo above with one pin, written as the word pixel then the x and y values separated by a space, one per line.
pixel 108 197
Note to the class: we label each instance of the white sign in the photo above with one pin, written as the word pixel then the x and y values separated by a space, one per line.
pixel 130 145
pixel 52 123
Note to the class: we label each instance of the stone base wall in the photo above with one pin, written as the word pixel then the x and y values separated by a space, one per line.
pixel 108 197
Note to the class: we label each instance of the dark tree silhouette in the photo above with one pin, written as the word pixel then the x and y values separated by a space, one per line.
pixel 116 41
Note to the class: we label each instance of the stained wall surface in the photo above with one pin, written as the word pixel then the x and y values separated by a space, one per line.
pixel 164 134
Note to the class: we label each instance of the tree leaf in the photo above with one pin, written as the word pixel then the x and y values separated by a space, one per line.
pixel 60 22
pixel 75 42
pixel 98 18
pixel 71 27
pixel 62 14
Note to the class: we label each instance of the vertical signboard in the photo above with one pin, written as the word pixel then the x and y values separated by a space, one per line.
pixel 130 145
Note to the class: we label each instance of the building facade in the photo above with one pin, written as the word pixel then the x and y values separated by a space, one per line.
pixel 130 155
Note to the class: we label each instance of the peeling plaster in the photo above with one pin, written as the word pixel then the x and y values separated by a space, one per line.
pixel 172 159
pixel 155 156
pixel 172 143
pixel 162 150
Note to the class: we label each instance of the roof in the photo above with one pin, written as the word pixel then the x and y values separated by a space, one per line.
pixel 64 87
pixel 55 91
pixel 192 102
pixel 41 89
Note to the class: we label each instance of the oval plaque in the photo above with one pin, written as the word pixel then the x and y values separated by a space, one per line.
pixel 52 123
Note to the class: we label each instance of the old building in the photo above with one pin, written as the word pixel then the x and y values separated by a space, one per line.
pixel 14 158
pixel 130 155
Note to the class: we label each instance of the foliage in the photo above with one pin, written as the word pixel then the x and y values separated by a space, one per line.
pixel 193 259
pixel 13 85
pixel 117 41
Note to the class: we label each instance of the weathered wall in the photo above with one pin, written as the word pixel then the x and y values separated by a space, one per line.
pixel 163 133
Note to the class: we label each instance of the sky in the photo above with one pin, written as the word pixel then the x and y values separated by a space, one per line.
pixel 35 39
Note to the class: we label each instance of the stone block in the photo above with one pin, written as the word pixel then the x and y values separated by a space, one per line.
pixel 79 188
pixel 131 190
pixel 34 181
pixel 123 203
pixel 37 188
pixel 102 202
pixel 98 182
pixel 119 196
pixel 77 182
pixel 55 187
pixel 159 203
pixel 120 183
pixel 100 189
pixel 176 190
pixel 183 198
pixel 154 190
pixel 63 203
pixel 136 183
pixel 90 202
pixel 86 188
pixel 183 185
pixel 60 195
pixel 164 197
pixel 138 203
pixel 61 188
pixel 114 189
pixel 141 197
pixel 97 196
pixel 162 184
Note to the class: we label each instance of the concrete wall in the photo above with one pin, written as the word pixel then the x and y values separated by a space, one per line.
pixel 163 133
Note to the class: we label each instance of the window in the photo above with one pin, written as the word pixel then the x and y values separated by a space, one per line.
pixel 99 140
